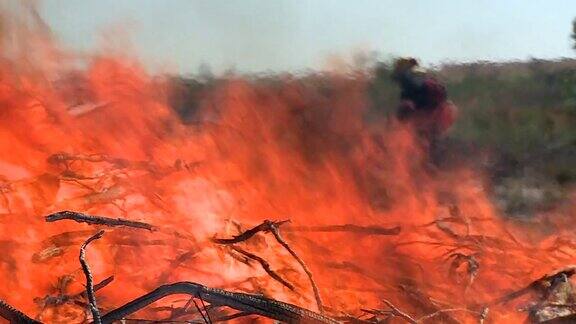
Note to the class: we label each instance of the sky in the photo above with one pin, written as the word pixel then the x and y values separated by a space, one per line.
pixel 293 35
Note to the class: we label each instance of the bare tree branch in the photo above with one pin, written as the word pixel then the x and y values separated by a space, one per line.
pixel 274 229
pixel 398 312
pixel 272 226
pixel 89 284
pixel 14 315
pixel 264 227
pixel 97 220
pixel 346 228
pixel 265 265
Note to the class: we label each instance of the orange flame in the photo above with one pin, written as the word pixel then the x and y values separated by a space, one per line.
pixel 104 140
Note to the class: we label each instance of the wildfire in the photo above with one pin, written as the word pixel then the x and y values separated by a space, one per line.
pixel 368 217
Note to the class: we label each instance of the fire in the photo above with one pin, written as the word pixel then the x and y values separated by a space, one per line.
pixel 104 140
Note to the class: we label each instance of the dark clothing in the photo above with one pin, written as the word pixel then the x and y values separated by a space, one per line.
pixel 422 92
pixel 425 106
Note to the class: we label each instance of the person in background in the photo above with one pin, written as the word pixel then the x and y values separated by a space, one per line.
pixel 424 103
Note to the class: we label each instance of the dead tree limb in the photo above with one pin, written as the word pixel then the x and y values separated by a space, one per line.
pixel 98 286
pixel 274 229
pixel 272 226
pixel 89 284
pixel 97 220
pixel 398 312
pixel 205 309
pixel 230 317
pixel 265 265
pixel 249 303
pixel 62 298
pixel 346 228
pixel 206 321
pixel 264 227
pixel 448 310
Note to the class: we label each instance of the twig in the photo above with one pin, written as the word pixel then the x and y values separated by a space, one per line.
pixel 398 312
pixel 264 227
pixel 62 298
pixel 88 274
pixel 250 303
pixel 265 265
pixel 276 232
pixel 472 263
pixel 205 308
pixel 442 311
pixel 423 302
pixel 98 220
pixel 350 228
pixel 99 285
pixel 230 317
pixel 272 226
pixel 200 312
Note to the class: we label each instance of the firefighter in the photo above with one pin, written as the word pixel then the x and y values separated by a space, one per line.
pixel 424 103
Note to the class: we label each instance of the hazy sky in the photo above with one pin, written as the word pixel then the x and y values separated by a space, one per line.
pixel 260 35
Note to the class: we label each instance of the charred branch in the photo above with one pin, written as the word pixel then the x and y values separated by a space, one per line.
pixel 97 220
pixel 98 286
pixel 265 265
pixel 230 317
pixel 204 317
pixel 273 227
pixel 249 303
pixel 265 227
pixel 397 312
pixel 346 228
pixel 89 281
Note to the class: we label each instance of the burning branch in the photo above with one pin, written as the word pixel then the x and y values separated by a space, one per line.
pixel 398 312
pixel 99 286
pixel 265 227
pixel 273 227
pixel 61 297
pixel 231 317
pixel 97 220
pixel 88 274
pixel 349 228
pixel 539 284
pixel 482 315
pixel 206 317
pixel 265 265
pixel 246 303
pixel 473 266
pixel 395 311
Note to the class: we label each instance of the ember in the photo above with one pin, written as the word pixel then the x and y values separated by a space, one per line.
pixel 276 200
